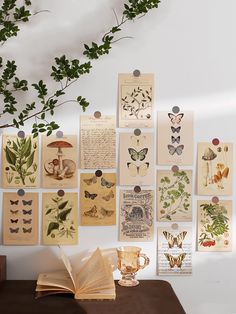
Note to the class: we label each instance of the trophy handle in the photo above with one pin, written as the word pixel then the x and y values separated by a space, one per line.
pixel 146 261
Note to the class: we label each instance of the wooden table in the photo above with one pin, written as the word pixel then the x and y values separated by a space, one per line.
pixel 151 296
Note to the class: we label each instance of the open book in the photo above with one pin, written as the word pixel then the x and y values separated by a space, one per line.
pixel 93 281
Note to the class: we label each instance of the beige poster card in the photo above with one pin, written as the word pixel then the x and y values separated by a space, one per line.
pixel 215 169
pixel 136 215
pixel 59 161
pixel 60 219
pixel 174 195
pixel 98 142
pixel 136 159
pixel 20 219
pixel 19 162
pixel 214 226
pixel 174 250
pixel 175 138
pixel 136 101
pixel 97 199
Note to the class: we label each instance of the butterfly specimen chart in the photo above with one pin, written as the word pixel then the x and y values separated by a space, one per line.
pixel 136 159
pixel 20 219
pixel 174 251
pixel 19 161
pixel 215 168
pixel 214 226
pixel 97 199
pixel 136 215
pixel 60 219
pixel 175 138
pixel 136 100
pixel 174 195
pixel 98 142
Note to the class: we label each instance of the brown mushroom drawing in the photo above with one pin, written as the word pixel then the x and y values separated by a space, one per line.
pixel 208 156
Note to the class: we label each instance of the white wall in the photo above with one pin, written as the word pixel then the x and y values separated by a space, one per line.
pixel 190 46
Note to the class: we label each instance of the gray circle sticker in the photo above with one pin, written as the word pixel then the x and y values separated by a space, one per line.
pixel 60 193
pixel 136 73
pixel 21 134
pixel 21 192
pixel 97 114
pixel 175 109
pixel 137 132
pixel 98 173
pixel 59 134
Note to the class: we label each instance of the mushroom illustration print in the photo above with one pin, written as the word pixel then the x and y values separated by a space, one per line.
pixel 208 156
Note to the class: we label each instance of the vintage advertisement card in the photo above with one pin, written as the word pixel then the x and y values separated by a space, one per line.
pixel 214 226
pixel 98 142
pixel 136 159
pixel 215 169
pixel 59 161
pixel 174 195
pixel 20 219
pixel 175 138
pixel 97 199
pixel 19 162
pixel 60 219
pixel 136 100
pixel 174 250
pixel 136 215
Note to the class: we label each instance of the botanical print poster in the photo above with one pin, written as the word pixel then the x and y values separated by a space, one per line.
pixel 136 159
pixel 20 219
pixel 97 199
pixel 174 195
pixel 136 215
pixel 60 219
pixel 19 161
pixel 214 226
pixel 215 169
pixel 136 100
pixel 174 251
pixel 98 142
pixel 175 138
pixel 59 161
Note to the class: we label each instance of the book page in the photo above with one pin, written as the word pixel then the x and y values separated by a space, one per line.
pixel 97 142
pixel 68 266
pixel 57 280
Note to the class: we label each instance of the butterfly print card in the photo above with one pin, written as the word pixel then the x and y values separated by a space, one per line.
pixel 174 195
pixel 175 138
pixel 59 161
pixel 19 161
pixel 136 159
pixel 60 219
pixel 98 199
pixel 136 215
pixel 215 168
pixel 214 226
pixel 174 250
pixel 20 219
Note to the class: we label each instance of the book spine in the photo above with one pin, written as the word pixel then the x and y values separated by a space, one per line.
pixel 3 268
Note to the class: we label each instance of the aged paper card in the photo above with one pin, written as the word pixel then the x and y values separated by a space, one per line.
pixel 20 219
pixel 98 142
pixel 175 138
pixel 97 199
pixel 136 100
pixel 136 215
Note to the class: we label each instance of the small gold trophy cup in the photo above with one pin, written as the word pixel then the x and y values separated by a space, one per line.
pixel 129 264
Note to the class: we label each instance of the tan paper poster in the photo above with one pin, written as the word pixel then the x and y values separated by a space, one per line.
pixel 98 199
pixel 59 161
pixel 175 138
pixel 136 215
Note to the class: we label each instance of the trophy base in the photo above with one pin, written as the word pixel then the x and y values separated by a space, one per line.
pixel 128 282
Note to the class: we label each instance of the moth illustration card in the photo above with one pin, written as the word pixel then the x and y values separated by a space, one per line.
pixel 59 161
pixel 136 159
pixel 97 199
pixel 98 142
pixel 19 161
pixel 136 100
pixel 136 215
pixel 175 138
pixel 174 195
pixel 60 219
pixel 215 169
pixel 174 251
pixel 20 219
pixel 214 226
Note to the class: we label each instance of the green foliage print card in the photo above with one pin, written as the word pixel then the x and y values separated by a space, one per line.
pixel 19 162
pixel 60 219
pixel 174 195
pixel 214 226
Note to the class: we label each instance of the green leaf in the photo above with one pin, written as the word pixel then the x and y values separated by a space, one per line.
pixel 63 215
pixel 52 226
pixel 63 205
pixel 10 156
pixel 30 160
pixel 49 211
